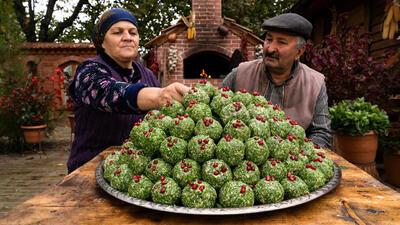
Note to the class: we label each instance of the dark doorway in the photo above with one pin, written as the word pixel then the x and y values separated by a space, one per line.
pixel 213 63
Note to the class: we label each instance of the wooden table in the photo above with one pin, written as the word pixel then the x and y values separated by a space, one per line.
pixel 77 199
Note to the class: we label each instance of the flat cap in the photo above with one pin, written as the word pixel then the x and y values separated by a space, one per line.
pixel 290 23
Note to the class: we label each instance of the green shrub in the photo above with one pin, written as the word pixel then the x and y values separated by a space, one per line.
pixel 358 117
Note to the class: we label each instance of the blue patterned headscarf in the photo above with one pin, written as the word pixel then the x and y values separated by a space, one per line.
pixel 106 21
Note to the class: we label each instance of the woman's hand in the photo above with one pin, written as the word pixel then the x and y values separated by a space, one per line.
pixel 154 98
pixel 172 91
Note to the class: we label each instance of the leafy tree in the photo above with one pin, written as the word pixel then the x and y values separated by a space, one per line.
pixel 152 16
pixel 81 28
pixel 41 27
pixel 252 13
pixel 9 29
pixel 155 15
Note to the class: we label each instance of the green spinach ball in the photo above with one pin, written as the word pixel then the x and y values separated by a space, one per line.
pixel 173 149
pixel 162 122
pixel 216 172
pixel 294 163
pixel 275 111
pixel 308 148
pixel 278 147
pixel 173 108
pixel 152 140
pixel 258 109
pixel 135 159
pixel 199 194
pixel 256 150
pixel 121 178
pixel 198 111
pixel 109 170
pixel 166 191
pixel 279 126
pixel 195 95
pixel 234 111
pixel 209 127
pixel 223 90
pixel 237 129
pixel 257 98
pixel 236 194
pixel 268 190
pixel 313 177
pixel 274 168
pixel 136 133
pixel 323 166
pixel 247 172
pixel 259 127
pixel 230 150
pixel 182 127
pixel 243 96
pixel 294 186
pixel 297 130
pixel 140 187
pixel 150 115
pixel 112 159
pixel 219 101
pixel 206 86
pixel 185 171
pixel 201 148
pixel 157 168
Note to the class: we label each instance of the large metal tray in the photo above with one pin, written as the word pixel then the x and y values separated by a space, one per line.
pixel 335 180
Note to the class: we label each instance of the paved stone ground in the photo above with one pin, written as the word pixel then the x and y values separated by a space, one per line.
pixel 23 176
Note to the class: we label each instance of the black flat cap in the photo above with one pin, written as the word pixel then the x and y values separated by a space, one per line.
pixel 290 23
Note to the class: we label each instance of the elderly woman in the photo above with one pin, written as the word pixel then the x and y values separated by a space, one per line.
pixel 112 91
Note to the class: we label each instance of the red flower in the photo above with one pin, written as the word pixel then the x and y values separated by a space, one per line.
pixel 58 71
pixel 53 79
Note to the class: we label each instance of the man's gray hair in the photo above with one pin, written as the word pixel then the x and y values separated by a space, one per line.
pixel 300 42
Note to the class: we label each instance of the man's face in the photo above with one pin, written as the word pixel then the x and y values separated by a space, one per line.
pixel 280 52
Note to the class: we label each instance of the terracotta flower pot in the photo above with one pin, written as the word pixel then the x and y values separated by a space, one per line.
pixel 392 168
pixel 34 134
pixel 357 149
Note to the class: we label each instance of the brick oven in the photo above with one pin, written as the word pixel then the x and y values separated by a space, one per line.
pixel 176 57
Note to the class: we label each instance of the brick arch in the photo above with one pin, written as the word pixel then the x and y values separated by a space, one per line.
pixel 65 60
pixel 205 47
pixel 31 58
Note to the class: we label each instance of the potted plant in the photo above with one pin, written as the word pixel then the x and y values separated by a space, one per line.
pixel 350 71
pixel 31 104
pixel 356 125
pixel 391 157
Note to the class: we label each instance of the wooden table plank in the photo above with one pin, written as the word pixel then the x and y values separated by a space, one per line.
pixel 77 199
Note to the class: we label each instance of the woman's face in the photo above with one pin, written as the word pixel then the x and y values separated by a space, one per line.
pixel 121 43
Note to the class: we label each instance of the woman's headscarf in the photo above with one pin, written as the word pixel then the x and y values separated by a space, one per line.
pixel 106 21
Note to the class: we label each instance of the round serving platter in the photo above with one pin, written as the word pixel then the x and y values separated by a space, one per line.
pixel 335 180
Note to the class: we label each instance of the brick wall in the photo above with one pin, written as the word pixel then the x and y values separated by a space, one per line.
pixel 50 56
pixel 207 20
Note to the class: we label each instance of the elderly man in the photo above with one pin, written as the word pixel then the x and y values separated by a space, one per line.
pixel 299 90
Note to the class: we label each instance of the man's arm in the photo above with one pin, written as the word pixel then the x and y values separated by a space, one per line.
pixel 229 80
pixel 319 130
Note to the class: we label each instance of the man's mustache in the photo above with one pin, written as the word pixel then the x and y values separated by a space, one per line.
pixel 272 55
